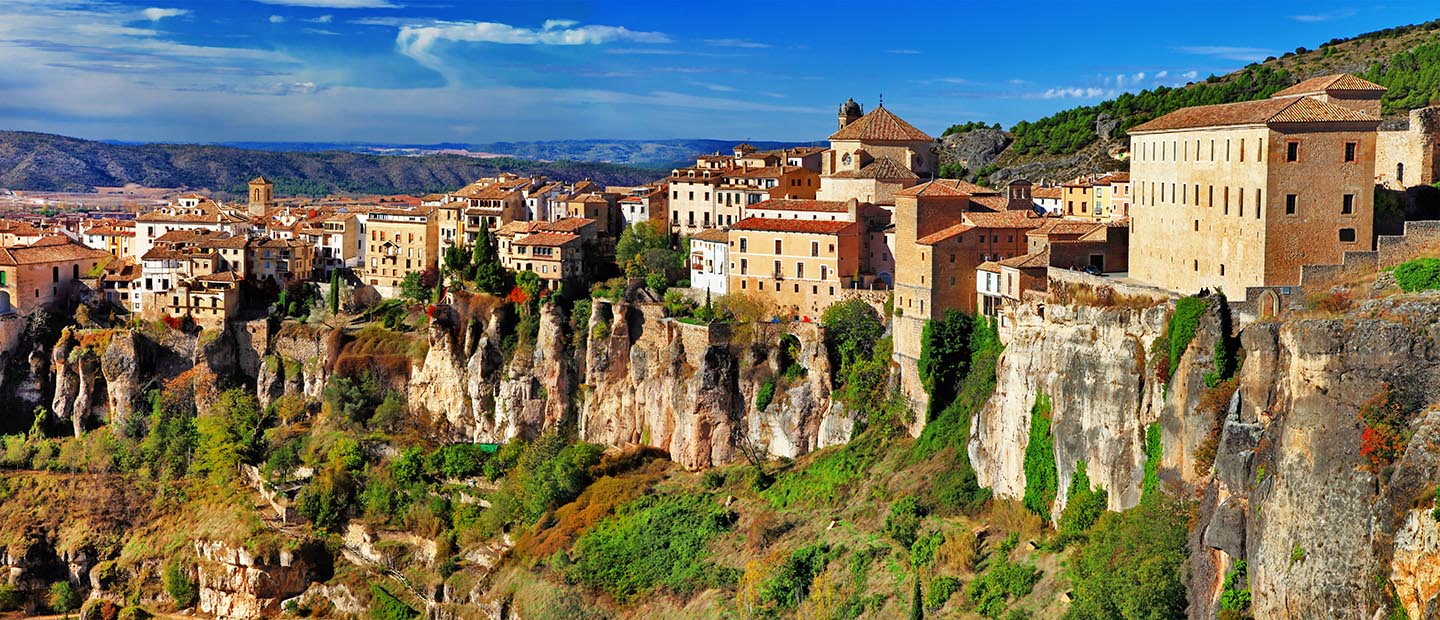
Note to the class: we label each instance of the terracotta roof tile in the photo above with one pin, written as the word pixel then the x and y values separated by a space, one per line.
pixel 1045 192
pixel 1029 261
pixel 49 252
pixel 766 224
pixel 880 124
pixel 788 204
pixel 712 235
pixel 566 225
pixel 548 239
pixel 1339 81
pixel 944 233
pixel 1003 219
pixel 882 168
pixel 1263 111
pixel 947 187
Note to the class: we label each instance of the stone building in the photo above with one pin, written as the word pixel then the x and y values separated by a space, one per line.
pixel 262 195
pixel 37 274
pixel 1410 155
pixel 1243 195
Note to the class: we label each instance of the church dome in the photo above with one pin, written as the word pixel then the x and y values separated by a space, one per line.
pixel 850 107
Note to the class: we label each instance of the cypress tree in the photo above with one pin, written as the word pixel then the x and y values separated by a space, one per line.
pixel 334 297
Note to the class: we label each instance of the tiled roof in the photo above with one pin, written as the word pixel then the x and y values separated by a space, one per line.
pixel 1003 219
pixel 259 179
pixel 1058 226
pixel 943 234
pixel 121 271
pixel 1264 111
pixel 947 187
pixel 549 239
pixel 989 265
pixel 767 224
pixel 1029 261
pixel 784 204
pixel 223 276
pixel 1339 81
pixel 995 202
pixel 880 124
pixel 882 168
pixel 511 229
pixel 49 252
pixel 1045 192
pixel 566 225
pixel 21 229
pixel 228 242
pixel 712 235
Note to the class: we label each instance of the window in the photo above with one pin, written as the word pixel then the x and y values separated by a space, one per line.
pixel 1347 206
pixel 1291 202
pixel 1347 235
pixel 1222 269
pixel 777 247
pixel 55 273
pixel 1400 172
pixel 1292 151
pixel 1197 265
pixel 3 277
pixel 824 272
pixel 744 264
pixel 799 273
pixel 814 248
pixel 1242 149
pixel 1197 225
pixel 742 244
pixel 777 271
pixel 1349 151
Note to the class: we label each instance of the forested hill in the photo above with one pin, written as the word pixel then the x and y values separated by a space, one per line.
pixel 46 162
pixel 1406 60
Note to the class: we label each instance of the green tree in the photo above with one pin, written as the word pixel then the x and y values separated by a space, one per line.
pixel 1041 479
pixel 852 328
pixel 231 432
pixel 63 597
pixel 917 602
pixel 334 297
pixel 944 357
pixel 490 275
pixel 1130 568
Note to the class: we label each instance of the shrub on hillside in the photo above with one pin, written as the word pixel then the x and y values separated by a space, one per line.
pixel 1132 561
pixel 63 597
pixel 1041 478
pixel 181 588
pixel 903 522
pixel 1083 506
pixel 1421 274
pixel 651 542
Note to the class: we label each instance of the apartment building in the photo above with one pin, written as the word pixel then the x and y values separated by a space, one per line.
pixel 709 259
pixel 801 266
pixel 400 241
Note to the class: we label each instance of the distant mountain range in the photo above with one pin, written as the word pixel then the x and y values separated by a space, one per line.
pixel 47 162
pixel 650 153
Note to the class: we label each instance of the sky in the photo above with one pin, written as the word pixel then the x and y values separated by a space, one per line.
pixel 474 71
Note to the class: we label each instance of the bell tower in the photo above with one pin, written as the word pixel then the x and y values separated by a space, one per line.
pixel 850 112
pixel 262 195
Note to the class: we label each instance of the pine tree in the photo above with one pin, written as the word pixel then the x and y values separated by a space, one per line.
pixel 917 604
pixel 334 297
pixel 490 275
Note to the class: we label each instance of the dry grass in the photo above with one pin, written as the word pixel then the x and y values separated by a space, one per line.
pixel 958 554
pixel 1077 294
pixel 598 501
pixel 1010 515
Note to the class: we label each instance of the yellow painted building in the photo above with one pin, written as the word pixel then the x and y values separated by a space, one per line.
pixel 400 241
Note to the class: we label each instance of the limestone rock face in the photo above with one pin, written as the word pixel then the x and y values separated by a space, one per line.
pixel 1090 362
pixel 295 362
pixel 235 584
pixel 691 389
pixel 633 377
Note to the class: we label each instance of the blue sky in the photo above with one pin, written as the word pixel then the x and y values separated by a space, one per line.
pixel 425 71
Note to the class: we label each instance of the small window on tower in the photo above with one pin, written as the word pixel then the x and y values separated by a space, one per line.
pixel 1292 151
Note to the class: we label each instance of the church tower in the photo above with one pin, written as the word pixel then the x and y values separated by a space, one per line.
pixel 262 195
pixel 850 112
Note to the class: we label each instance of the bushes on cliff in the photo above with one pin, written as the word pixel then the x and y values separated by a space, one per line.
pixel 651 542
pixel 181 588
pixel 231 433
pixel 537 477
pixel 1154 449
pixel 1083 506
pixel 1421 274
pixel 827 478
pixel 1041 478
pixel 851 329
pixel 1182 326
pixel 1387 430
pixel 1130 567
pixel 944 357
pixel 63 597
pixel 951 427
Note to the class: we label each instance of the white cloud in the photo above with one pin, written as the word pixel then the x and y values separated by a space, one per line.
pixel 719 88
pixel 1190 75
pixel 1073 92
pixel 1323 17
pixel 323 19
pixel 1160 75
pixel 322 31
pixel 1228 52
pixel 335 4
pixel 277 19
pixel 156 14
pixel 418 42
pixel 741 43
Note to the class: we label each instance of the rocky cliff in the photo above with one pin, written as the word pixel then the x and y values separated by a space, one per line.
pixel 632 376
pixel 237 585
pixel 1289 491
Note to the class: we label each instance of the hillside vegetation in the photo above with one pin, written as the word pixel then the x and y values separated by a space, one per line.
pixel 1405 60
pixel 45 162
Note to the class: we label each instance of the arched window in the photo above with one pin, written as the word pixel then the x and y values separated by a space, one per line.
pixel 75 272
pixel 55 273
pixel 1400 172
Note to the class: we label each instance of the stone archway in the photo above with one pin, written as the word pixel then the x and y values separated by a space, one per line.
pixel 1269 305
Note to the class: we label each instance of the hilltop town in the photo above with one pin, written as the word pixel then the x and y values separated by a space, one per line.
pixel 1256 199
